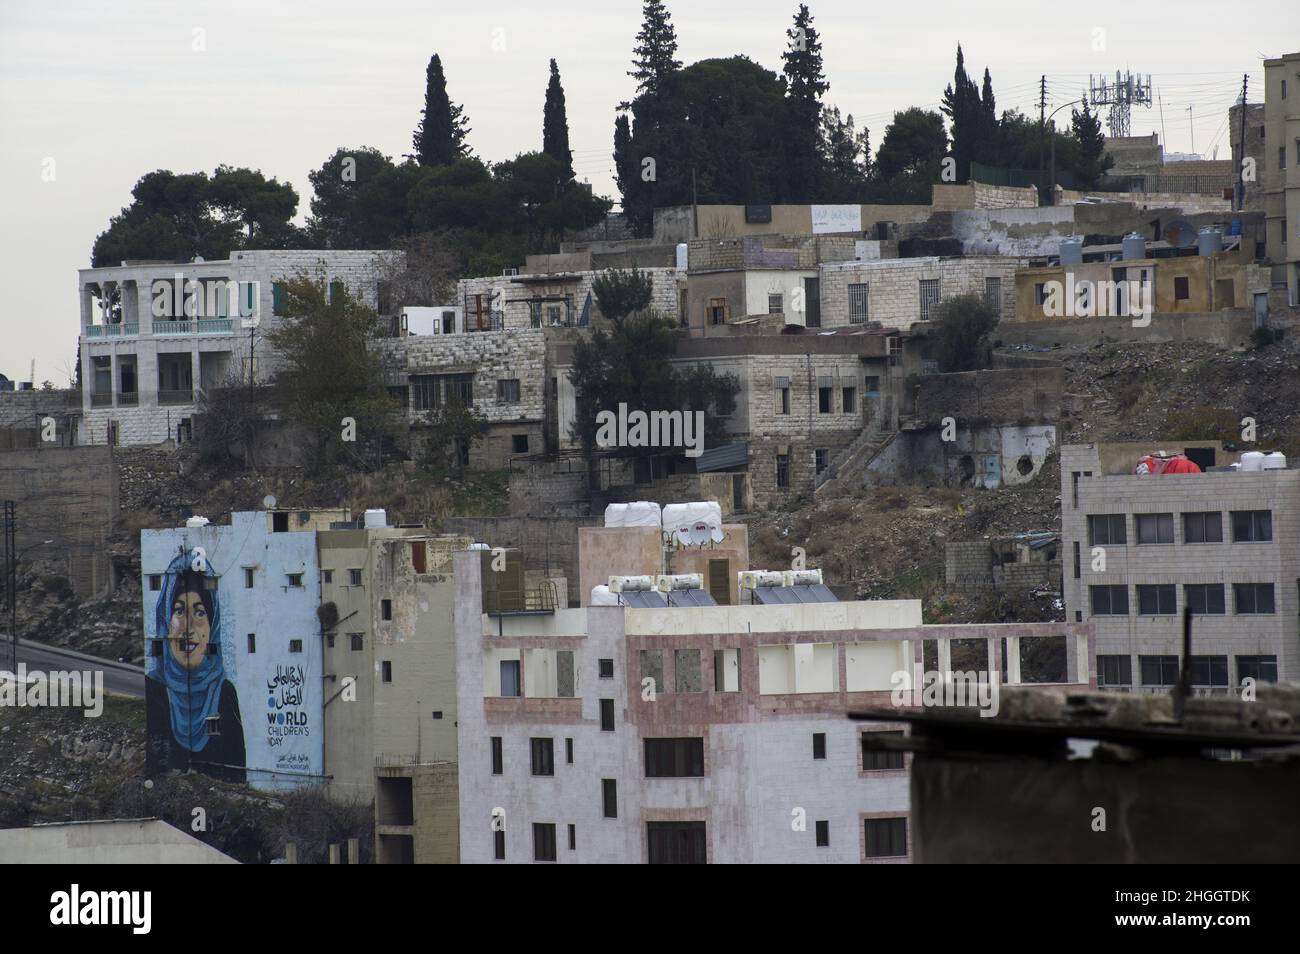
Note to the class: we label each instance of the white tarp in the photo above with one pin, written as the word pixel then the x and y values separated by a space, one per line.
pixel 836 218
pixel 640 513
pixel 694 523
pixel 601 596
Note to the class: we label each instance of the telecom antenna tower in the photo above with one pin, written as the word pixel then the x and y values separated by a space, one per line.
pixel 1126 91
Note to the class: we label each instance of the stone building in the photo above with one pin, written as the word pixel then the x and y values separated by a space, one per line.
pixel 155 335
pixel 1282 170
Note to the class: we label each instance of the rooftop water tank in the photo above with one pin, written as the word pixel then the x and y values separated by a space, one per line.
pixel 1072 250
pixel 682 254
pixel 375 519
pixel 1134 246
pixel 1209 241
pixel 194 522
pixel 1275 461
pixel 1251 462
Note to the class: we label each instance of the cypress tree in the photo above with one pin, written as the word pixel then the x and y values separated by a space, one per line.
pixel 440 137
pixel 555 126
pixel 806 82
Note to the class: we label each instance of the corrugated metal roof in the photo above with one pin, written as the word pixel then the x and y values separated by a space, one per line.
pixel 724 457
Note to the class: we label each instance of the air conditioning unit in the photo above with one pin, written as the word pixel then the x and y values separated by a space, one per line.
pixel 749 579
pixel 667 582
pixel 631 584
pixel 801 577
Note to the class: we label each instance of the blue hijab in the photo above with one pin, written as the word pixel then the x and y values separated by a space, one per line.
pixel 195 695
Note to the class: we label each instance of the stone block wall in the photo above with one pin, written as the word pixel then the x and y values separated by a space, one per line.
pixel 894 292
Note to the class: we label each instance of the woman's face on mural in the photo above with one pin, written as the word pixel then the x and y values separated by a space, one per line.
pixel 190 630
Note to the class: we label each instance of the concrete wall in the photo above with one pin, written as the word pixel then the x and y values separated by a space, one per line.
pixel 128 841
pixel 987 456
pixel 68 495
pixel 1226 329
pixel 616 551
pixel 894 296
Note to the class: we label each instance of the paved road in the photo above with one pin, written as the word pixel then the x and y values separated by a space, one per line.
pixel 121 678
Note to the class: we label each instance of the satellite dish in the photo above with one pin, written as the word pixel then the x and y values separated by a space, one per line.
pixel 1180 234
pixel 269 501
pixel 682 535
pixel 716 535
pixel 699 533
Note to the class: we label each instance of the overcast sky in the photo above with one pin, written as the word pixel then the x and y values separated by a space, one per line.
pixel 112 90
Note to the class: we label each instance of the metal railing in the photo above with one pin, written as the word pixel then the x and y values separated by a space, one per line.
pixel 185 396
pixel 198 326
pixel 101 400
pixel 123 329
pixel 128 399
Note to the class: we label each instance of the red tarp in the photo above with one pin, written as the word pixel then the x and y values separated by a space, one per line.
pixel 1178 464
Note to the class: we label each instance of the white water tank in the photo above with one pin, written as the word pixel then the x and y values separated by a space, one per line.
pixel 1134 246
pixel 375 519
pixel 195 522
pixel 1209 241
pixel 1252 462
pixel 1275 461
pixel 1072 250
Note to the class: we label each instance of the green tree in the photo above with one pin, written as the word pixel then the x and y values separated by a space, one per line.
pixel 1092 162
pixel 360 199
pixel 555 127
pixel 655 54
pixel 328 368
pixel 911 155
pixel 440 137
pixel 962 106
pixel 845 158
pixel 962 325
pixel 805 85
pixel 180 216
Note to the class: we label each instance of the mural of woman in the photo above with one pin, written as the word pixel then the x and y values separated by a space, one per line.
pixel 186 685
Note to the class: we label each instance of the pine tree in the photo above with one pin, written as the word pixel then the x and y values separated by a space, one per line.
pixel 655 50
pixel 440 137
pixel 806 82
pixel 961 104
pixel 1093 161
pixel 987 146
pixel 555 126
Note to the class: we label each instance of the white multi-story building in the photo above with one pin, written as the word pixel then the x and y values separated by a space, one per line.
pixel 154 335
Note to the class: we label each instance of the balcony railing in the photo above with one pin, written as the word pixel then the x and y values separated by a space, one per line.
pixel 185 396
pixel 101 400
pixel 198 326
pixel 130 399
pixel 123 329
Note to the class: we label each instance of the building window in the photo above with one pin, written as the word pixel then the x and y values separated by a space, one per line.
pixel 674 758
pixel 543 841
pixel 358 642
pixel 609 796
pixel 1182 291
pixel 819 745
pixel 1114 671
pixel 1252 598
pixel 155 582
pixel 329 640
pixel 543 756
pixel 1259 668
pixel 858 301
pixel 1203 527
pixel 1158 670
pixel 820 460
pixel 295 645
pixel 783 471
pixel 849 401
pixel 776 304
pixel 652 668
pixel 510 678
pixel 386 609
pixel 568 751
pixel 1040 294
pixel 886 837
pixel 327 576
pixel 508 391
pixel 823 834
pixel 717 311
pixel 498 760
pixel 354 577
pixel 929 296
pixel 1076 559
pixel 1210 671
pixel 993 296
pixel 782 388
pixel 1154 527
pixel 1106 530
pixel 1252 526
pixel 214 725
pixel 386 668
pixel 519 443
pixel 573 837
pixel 426 392
pixel 252 643
pixel 1157 599
pixel 1109 600
pixel 1281 157
pixel 676 843
pixel 606 668
pixel 1204 599
pixel 499 845
pixel 825 394
pixel 418 553
pixel 278 299
pixel 295 579
pixel 880 760
pixel 248 578
pixel 607 715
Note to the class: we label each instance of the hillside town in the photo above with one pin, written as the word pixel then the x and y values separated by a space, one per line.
pixel 799 502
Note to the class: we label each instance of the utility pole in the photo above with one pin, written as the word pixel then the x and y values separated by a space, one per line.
pixel 1042 126
pixel 1241 160
pixel 11 581
pixel 695 207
